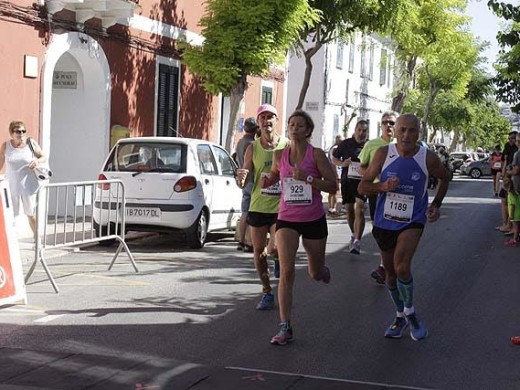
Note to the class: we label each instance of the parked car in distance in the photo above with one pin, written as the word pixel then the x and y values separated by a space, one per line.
pixel 476 169
pixel 171 185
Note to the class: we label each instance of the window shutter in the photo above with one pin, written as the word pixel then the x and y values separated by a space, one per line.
pixel 168 101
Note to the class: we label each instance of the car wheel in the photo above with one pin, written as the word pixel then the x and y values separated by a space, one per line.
pixel 102 231
pixel 196 236
pixel 475 173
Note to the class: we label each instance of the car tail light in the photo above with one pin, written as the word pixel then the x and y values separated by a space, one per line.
pixel 185 183
pixel 104 186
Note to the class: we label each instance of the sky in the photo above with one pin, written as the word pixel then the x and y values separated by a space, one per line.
pixel 485 25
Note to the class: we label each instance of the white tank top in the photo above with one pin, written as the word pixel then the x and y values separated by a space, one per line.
pixel 17 161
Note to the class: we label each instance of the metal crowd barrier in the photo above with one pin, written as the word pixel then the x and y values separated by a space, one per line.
pixel 65 217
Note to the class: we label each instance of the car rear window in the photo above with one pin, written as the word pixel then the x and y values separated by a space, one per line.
pixel 148 157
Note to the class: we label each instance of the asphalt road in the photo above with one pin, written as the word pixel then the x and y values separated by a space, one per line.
pixel 198 306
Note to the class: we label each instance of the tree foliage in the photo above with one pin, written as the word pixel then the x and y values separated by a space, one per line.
pixel 507 79
pixel 244 38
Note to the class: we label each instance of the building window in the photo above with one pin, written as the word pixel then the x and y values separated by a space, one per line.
pixel 371 62
pixel 389 70
pixel 167 100
pixel 339 55
pixel 335 125
pixel 363 70
pixel 267 94
pixel 347 87
pixel 351 56
pixel 382 67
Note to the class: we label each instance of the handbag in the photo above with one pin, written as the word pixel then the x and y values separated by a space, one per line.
pixel 41 174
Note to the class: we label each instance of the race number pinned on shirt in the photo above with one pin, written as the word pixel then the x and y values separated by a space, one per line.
pixel 296 192
pixel 273 190
pixel 398 207
pixel 354 170
pixel 497 165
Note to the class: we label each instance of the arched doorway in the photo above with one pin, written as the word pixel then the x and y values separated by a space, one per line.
pixel 75 107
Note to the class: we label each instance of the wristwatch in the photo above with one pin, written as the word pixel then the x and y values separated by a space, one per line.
pixel 309 179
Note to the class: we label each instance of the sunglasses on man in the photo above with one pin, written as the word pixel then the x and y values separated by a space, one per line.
pixel 389 123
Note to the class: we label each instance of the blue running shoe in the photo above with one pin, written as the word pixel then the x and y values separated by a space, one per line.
pixel 267 302
pixel 395 331
pixel 284 336
pixel 417 329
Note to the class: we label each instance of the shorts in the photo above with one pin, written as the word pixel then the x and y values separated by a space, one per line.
pixel 502 194
pixel 313 230
pixel 246 197
pixel 387 239
pixel 256 219
pixel 349 191
pixel 494 172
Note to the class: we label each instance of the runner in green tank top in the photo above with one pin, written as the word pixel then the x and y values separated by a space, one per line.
pixel 263 209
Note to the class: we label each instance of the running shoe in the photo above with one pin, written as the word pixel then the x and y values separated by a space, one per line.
pixel 511 242
pixel 395 331
pixel 417 329
pixel 356 247
pixel 266 303
pixel 379 275
pixel 284 336
pixel 326 276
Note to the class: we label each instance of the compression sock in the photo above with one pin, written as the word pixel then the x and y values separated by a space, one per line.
pixel 406 290
pixel 396 298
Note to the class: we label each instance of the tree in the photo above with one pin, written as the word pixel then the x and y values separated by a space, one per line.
pixel 338 19
pixel 417 30
pixel 244 38
pixel 507 79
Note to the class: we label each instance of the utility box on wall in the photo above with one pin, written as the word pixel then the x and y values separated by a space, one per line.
pixel 117 132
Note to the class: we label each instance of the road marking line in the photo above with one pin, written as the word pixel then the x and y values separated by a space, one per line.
pixel 327 378
pixel 49 318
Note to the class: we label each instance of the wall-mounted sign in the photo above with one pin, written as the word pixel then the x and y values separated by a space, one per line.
pixel 312 106
pixel 65 80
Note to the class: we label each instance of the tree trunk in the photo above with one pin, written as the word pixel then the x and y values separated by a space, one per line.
pixel 432 135
pixel 434 90
pixel 309 53
pixel 399 99
pixel 455 140
pixel 235 98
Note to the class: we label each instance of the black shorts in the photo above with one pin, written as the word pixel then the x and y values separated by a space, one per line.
pixel 502 194
pixel 349 191
pixel 314 230
pixel 494 172
pixel 387 239
pixel 257 219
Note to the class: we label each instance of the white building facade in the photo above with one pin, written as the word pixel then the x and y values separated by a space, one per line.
pixel 350 81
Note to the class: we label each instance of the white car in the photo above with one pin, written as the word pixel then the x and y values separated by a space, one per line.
pixel 171 184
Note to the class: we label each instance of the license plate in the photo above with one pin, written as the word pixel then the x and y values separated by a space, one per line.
pixel 143 213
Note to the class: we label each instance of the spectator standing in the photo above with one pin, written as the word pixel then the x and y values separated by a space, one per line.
pixel 250 129
pixel 304 172
pixel 333 199
pixel 510 148
pixel 512 197
pixel 263 209
pixel 346 156
pixel 20 163
pixel 401 214
pixel 365 157
pixel 495 160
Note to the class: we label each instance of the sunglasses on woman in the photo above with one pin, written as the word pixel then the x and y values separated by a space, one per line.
pixel 19 131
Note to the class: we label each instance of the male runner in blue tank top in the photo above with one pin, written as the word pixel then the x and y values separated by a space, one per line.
pixel 401 213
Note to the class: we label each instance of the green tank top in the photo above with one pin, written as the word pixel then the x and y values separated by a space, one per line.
pixel 264 200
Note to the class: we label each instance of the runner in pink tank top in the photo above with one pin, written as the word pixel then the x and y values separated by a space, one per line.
pixel 304 172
